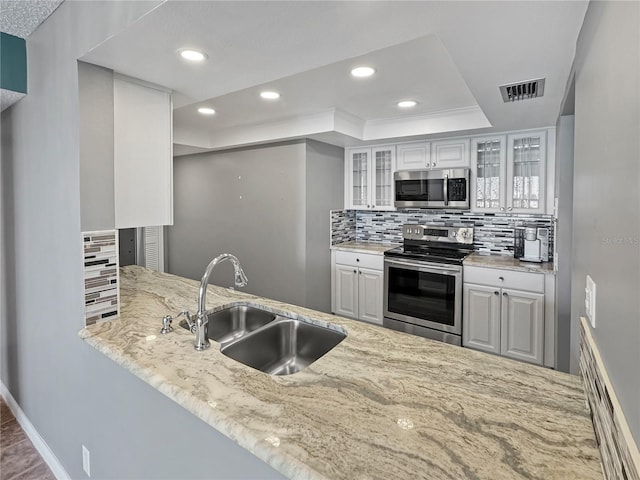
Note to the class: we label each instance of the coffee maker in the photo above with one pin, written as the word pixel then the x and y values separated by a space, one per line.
pixel 531 244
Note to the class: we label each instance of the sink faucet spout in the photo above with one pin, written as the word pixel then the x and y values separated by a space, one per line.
pixel 240 280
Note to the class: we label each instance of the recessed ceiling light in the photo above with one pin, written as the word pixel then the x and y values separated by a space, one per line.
pixel 206 111
pixel 362 72
pixel 270 95
pixel 192 55
pixel 407 103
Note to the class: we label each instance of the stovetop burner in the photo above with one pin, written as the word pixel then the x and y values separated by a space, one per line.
pixel 435 244
pixel 431 254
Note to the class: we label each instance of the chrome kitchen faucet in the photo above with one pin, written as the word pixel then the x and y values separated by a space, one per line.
pixel 199 325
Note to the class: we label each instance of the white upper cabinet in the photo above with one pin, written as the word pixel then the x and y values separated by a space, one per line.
pixel 526 169
pixel 143 163
pixel 369 178
pixel 509 173
pixel 450 153
pixel 414 156
pixel 488 173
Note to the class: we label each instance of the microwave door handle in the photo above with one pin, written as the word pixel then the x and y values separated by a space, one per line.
pixel 446 189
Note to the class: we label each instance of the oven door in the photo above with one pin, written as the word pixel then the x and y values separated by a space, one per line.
pixel 424 294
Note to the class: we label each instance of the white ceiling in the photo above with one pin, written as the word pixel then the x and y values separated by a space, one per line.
pixel 450 56
pixel 21 17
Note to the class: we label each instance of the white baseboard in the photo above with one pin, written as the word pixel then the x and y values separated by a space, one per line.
pixel 41 446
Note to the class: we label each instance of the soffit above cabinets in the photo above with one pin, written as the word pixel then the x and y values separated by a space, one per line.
pixel 448 56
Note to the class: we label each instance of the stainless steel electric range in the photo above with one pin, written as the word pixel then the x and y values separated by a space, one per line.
pixel 423 281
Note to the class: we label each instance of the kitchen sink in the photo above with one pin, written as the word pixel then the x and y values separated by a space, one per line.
pixel 284 346
pixel 235 322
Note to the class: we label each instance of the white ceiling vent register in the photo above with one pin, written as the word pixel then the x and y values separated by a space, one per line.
pixel 522 90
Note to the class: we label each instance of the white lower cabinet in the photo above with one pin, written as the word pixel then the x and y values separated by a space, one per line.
pixel 502 320
pixel 357 286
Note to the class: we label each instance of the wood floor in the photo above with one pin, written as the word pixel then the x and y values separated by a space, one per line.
pixel 19 460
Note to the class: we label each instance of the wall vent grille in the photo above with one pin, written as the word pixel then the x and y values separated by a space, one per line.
pixel 522 90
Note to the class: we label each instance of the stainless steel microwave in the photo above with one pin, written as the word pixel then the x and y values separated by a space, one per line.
pixel 435 188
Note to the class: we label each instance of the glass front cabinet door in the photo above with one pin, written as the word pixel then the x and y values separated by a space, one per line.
pixel 370 178
pixel 526 172
pixel 488 172
pixel 509 173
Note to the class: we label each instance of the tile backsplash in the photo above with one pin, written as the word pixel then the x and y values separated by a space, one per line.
pixel 100 275
pixel 492 232
pixel 619 453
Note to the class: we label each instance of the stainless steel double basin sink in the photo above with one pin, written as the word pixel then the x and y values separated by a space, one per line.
pixel 277 344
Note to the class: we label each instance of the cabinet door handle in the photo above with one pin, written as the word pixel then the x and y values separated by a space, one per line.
pixel 501 279
pixel 496 293
pixel 502 209
pixel 373 206
pixel 360 273
pixel 355 271
pixel 504 294
pixel 357 259
pixel 510 208
pixel 433 164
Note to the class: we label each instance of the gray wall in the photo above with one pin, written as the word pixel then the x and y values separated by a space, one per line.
pixel 96 147
pixel 564 238
pixel 258 204
pixel 71 393
pixel 325 191
pixel 606 191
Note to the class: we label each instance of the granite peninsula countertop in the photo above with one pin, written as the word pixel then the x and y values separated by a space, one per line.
pixel 381 404
pixel 364 247
pixel 506 262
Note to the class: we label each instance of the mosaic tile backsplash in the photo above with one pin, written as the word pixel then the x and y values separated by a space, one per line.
pixel 620 457
pixel 492 232
pixel 100 275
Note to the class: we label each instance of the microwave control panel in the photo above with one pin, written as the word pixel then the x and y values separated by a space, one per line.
pixel 457 189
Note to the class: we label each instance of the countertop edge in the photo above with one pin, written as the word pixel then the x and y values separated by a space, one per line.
pixel 504 262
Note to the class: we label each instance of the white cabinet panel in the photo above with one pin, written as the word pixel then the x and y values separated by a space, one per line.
pixel 346 291
pixel 370 287
pixel 450 153
pixel 522 325
pixel 481 318
pixel 413 156
pixel 143 163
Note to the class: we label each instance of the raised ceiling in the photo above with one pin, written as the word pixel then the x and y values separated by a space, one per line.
pixel 449 56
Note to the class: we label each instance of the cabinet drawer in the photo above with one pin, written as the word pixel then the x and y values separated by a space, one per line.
pixel 531 282
pixel 365 260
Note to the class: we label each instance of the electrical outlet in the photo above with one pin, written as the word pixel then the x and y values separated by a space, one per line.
pixel 86 461
pixel 590 300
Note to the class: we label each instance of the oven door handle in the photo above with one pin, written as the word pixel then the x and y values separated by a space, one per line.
pixel 423 268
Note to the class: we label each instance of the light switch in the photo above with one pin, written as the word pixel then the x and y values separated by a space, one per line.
pixel 590 300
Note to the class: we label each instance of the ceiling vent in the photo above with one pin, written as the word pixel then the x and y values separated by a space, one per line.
pixel 522 90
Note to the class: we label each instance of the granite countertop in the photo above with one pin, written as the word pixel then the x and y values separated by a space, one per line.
pixel 505 262
pixel 364 247
pixel 381 404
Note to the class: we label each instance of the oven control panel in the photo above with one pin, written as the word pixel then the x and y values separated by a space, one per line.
pixel 437 233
